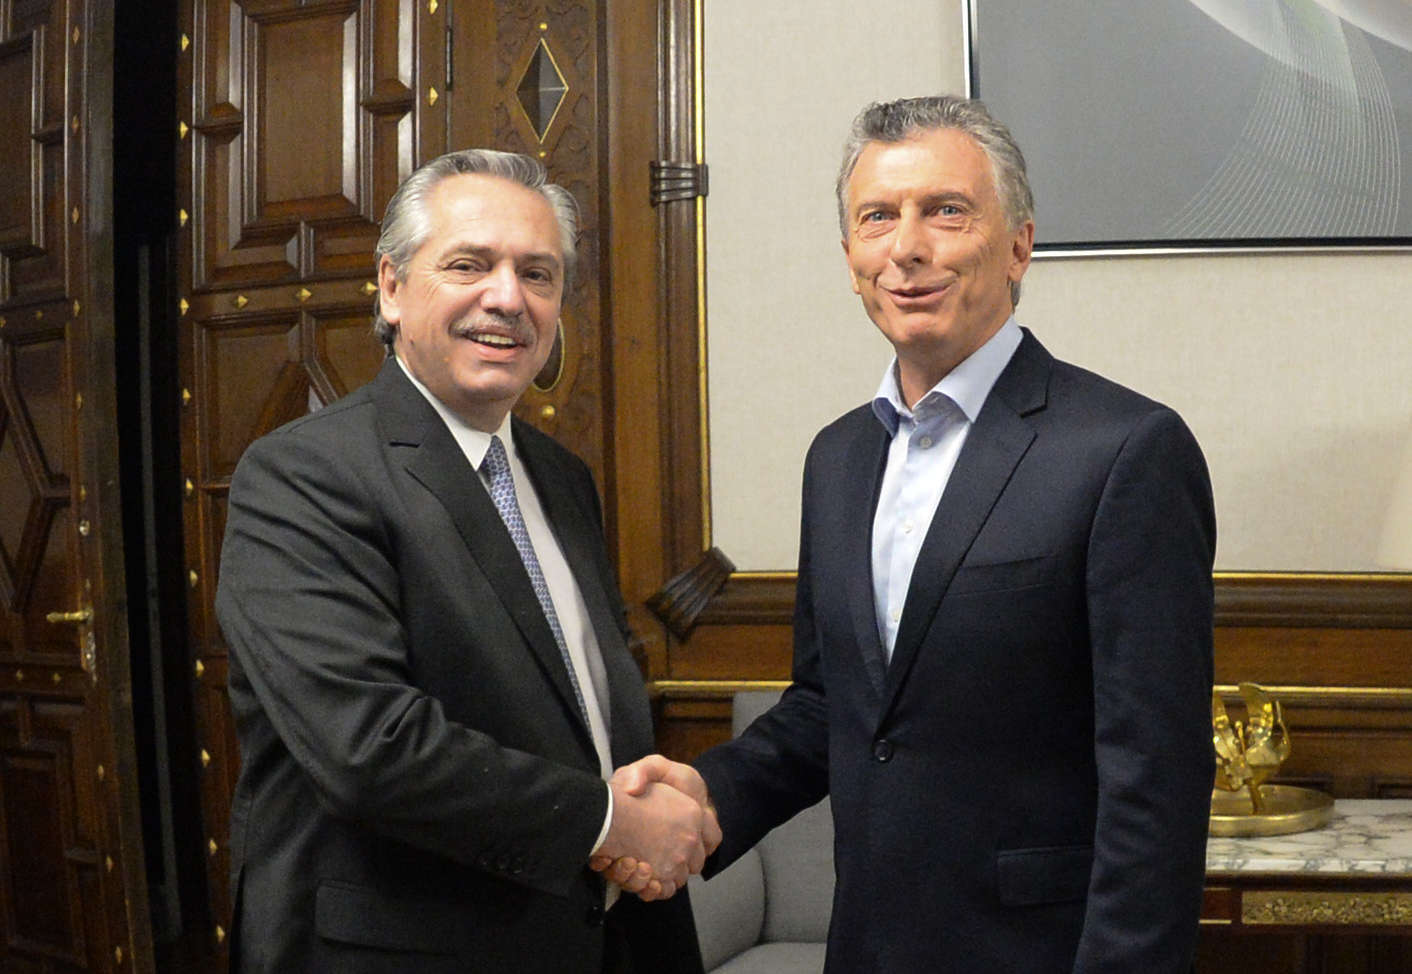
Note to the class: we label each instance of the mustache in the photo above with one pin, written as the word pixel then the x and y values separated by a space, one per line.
pixel 496 322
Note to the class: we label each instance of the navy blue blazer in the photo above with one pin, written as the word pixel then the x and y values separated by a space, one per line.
pixel 1025 787
pixel 418 789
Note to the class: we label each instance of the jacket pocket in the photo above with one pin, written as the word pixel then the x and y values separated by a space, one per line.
pixel 1057 874
pixel 357 915
pixel 1002 576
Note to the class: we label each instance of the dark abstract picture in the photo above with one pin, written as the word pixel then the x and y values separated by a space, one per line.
pixel 1206 122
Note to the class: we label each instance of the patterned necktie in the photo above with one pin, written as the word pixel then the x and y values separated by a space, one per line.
pixel 502 490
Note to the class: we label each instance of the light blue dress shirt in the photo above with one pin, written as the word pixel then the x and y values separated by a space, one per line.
pixel 926 440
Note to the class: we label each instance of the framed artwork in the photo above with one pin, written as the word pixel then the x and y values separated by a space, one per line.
pixel 1205 123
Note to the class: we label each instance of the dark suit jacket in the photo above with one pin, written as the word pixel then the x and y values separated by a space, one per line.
pixel 418 790
pixel 1025 787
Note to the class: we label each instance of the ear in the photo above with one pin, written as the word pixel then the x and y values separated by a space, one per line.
pixel 852 276
pixel 1021 250
pixel 388 291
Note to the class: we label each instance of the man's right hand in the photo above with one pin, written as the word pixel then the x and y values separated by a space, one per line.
pixel 659 826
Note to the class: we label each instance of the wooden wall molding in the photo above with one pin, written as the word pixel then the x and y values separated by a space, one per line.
pixel 1396 700
pixel 1272 600
pixel 1351 601
pixel 681 294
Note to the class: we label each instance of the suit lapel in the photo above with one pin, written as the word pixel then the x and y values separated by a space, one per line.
pixel 867 456
pixel 436 461
pixel 572 517
pixel 994 446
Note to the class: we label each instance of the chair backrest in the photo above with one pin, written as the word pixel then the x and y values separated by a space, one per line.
pixel 796 857
pixel 729 910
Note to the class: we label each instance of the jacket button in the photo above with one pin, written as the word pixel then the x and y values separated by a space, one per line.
pixel 882 750
pixel 595 915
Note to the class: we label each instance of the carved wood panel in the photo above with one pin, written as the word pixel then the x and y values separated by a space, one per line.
pixel 49 832
pixel 301 122
pixel 545 65
pixel 297 122
pixel 72 891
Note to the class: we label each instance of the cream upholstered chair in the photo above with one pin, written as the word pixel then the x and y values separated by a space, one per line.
pixel 769 912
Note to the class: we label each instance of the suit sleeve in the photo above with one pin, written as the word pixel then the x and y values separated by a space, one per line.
pixel 308 601
pixel 1149 595
pixel 779 765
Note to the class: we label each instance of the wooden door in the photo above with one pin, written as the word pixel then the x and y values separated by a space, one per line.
pixel 72 886
pixel 296 123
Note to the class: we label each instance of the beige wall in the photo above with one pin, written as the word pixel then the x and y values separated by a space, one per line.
pixel 1294 370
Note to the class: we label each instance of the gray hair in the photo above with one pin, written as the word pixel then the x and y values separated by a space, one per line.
pixel 406 223
pixel 896 121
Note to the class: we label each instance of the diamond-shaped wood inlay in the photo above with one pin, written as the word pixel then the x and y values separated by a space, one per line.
pixel 542 90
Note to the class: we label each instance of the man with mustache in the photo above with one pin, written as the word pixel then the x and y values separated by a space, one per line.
pixel 428 655
pixel 1003 622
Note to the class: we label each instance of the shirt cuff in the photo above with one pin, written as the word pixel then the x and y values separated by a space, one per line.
pixel 607 820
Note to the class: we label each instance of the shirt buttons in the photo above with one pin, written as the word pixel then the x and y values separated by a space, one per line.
pixel 895 615
pixel 907 526
pixel 925 442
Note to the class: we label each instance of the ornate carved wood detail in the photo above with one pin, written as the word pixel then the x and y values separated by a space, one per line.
pixel 1325 908
pixel 53 861
pixel 303 119
pixel 301 124
pixel 681 601
pixel 572 409
pixel 72 890
pixel 34 223
pixel 36 418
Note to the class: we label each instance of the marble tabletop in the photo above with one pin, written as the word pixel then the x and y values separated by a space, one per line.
pixel 1364 836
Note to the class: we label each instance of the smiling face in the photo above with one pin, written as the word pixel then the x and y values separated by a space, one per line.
pixel 477 308
pixel 930 252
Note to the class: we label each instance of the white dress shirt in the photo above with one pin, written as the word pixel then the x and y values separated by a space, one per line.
pixel 926 440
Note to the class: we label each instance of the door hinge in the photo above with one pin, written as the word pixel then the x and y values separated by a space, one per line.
pixel 671 181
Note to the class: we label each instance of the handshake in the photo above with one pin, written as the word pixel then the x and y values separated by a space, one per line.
pixel 663 828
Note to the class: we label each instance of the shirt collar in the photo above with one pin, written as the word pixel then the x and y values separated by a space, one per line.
pixel 967 385
pixel 473 442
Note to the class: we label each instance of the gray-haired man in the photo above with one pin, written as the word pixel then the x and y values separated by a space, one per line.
pixel 429 669
pixel 1002 668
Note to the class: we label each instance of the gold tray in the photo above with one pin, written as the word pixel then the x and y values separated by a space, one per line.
pixel 1287 809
